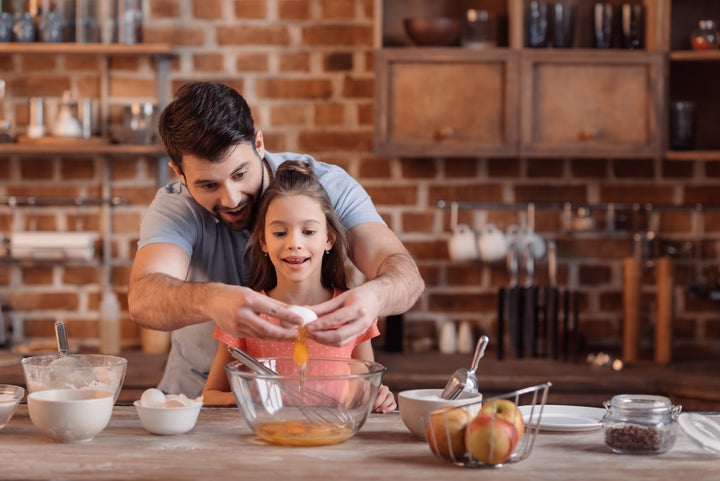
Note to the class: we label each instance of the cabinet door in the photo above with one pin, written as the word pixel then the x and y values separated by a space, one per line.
pixel 446 102
pixel 592 103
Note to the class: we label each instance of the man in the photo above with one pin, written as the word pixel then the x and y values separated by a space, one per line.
pixel 191 263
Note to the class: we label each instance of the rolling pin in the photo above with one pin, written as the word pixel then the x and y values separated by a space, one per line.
pixel 664 282
pixel 631 307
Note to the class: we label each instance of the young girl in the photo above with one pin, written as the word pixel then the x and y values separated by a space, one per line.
pixel 298 253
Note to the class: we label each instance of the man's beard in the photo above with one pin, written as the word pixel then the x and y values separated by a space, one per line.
pixel 247 223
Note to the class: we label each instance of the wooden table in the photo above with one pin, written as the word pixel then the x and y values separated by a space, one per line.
pixel 221 446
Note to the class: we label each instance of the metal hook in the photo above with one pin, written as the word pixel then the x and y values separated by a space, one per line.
pixel 529 264
pixel 552 263
pixel 512 263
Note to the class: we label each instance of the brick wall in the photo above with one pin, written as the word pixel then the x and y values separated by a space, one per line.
pixel 306 68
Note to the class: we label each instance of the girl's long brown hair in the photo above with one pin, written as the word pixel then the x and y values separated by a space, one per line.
pixel 297 178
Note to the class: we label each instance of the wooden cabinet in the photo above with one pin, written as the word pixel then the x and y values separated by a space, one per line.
pixel 517 101
pixel 601 105
pixel 443 102
pixel 694 75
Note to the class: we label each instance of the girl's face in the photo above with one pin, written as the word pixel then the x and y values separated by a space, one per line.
pixel 296 238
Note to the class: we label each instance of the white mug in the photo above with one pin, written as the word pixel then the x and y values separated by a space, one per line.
pixel 462 245
pixel 492 244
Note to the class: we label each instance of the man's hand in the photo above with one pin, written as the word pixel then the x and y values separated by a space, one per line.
pixel 345 317
pixel 237 311
pixel 160 299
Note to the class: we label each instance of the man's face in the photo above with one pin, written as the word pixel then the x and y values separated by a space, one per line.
pixel 229 189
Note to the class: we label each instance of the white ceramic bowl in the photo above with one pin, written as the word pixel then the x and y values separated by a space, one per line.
pixel 10 397
pixel 416 404
pixel 70 415
pixel 168 420
pixel 75 371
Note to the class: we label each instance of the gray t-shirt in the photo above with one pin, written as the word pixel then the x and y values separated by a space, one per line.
pixel 218 254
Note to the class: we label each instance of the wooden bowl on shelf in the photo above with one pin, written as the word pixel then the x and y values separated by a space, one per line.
pixel 433 32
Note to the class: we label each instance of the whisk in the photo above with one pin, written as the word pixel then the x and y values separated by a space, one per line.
pixel 317 407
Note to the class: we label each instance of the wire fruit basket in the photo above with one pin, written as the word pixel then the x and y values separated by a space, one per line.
pixel 491 433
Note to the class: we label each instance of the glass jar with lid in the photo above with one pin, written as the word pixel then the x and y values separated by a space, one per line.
pixel 640 424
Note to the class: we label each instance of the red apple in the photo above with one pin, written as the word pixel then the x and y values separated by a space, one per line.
pixel 445 433
pixel 490 439
pixel 507 410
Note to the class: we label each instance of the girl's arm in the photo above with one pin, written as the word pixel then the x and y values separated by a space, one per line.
pixel 217 388
pixel 385 401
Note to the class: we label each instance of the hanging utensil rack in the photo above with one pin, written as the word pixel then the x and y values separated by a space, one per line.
pixel 606 206
pixel 13 201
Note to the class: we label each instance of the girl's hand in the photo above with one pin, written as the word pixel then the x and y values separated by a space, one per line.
pixel 385 401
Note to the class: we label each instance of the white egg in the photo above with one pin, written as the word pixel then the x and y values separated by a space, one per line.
pixel 153 398
pixel 308 315
pixel 176 400
pixel 173 403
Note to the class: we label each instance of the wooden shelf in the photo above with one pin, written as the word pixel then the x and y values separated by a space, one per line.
pixel 80 149
pixel 693 155
pixel 159 49
pixel 695 56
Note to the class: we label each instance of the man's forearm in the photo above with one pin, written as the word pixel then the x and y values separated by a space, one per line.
pixel 162 302
pixel 398 284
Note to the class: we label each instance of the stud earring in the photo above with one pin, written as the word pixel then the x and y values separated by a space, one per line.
pixel 327 252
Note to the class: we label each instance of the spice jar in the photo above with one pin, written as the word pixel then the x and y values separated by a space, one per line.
pixel 640 424
pixel 705 37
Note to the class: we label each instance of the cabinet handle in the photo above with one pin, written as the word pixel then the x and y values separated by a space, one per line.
pixel 444 133
pixel 588 134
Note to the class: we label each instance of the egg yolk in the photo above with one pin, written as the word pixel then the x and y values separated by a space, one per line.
pixel 302 433
pixel 300 349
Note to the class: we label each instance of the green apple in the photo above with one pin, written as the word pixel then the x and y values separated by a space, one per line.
pixel 507 410
pixel 490 439
pixel 445 432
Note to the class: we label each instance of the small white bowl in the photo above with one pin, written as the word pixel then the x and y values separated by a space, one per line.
pixel 70 415
pixel 10 397
pixel 415 404
pixel 168 420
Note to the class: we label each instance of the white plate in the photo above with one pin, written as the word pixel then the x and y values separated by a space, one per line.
pixel 557 417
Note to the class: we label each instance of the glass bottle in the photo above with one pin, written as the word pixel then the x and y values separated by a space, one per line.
pixel 706 36
pixel 640 424
pixel 6 24
pixel 51 23
pixel 87 29
pixel 128 19
pixel 23 29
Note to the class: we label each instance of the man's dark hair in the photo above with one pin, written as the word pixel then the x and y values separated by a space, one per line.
pixel 206 119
